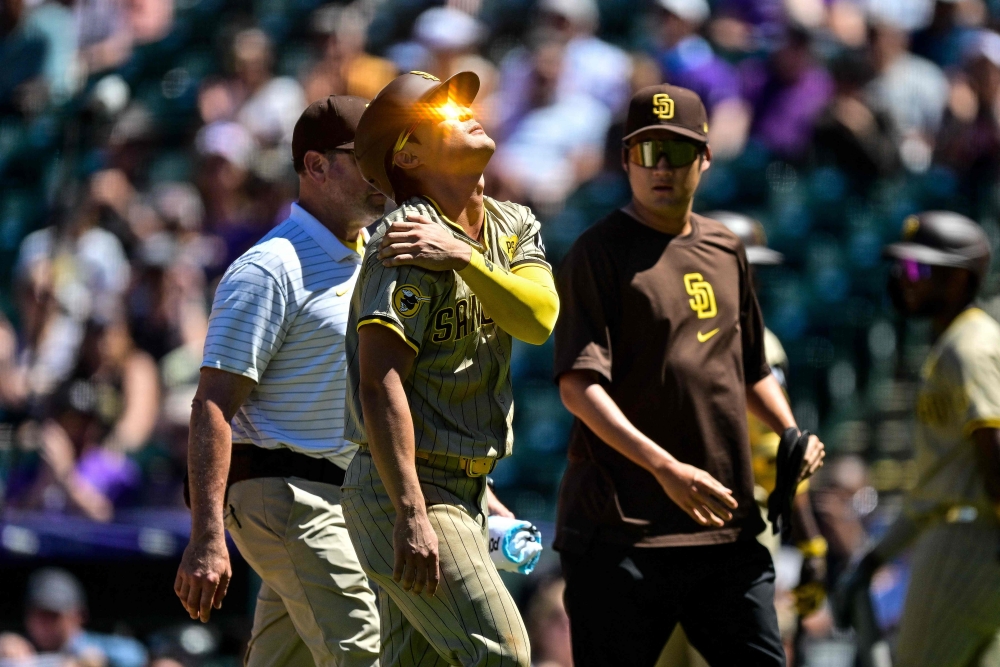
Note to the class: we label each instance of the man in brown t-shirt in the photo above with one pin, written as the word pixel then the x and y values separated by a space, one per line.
pixel 659 354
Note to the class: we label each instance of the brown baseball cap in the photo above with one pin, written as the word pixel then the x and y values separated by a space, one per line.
pixel 665 107
pixel 943 238
pixel 405 101
pixel 326 124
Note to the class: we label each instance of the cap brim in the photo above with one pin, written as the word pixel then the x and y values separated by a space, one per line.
pixel 761 256
pixel 349 146
pixel 925 255
pixel 670 129
pixel 462 87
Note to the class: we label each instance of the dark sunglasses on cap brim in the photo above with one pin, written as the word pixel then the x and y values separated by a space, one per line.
pixel 678 153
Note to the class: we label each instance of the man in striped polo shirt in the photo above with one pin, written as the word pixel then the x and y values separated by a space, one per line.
pixel 450 277
pixel 267 453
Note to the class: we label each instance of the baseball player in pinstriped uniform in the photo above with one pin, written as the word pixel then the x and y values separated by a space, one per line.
pixel 449 278
pixel 267 453
pixel 952 610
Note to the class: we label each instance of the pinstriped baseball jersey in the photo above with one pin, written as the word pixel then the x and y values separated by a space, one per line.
pixel 459 389
pixel 960 393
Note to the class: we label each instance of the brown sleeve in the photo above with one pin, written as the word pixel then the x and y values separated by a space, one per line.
pixel 582 337
pixel 755 366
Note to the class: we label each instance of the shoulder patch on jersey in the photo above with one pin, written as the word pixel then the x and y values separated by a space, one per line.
pixel 508 244
pixel 407 300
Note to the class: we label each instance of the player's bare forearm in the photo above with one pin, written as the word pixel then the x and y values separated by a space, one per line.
pixel 385 361
pixel 766 400
pixel 219 396
pixel 988 453
pixel 695 491
pixel 204 572
pixel 586 399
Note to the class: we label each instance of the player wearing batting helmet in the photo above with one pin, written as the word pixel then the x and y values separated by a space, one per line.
pixel 451 276
pixel 952 610
pixel 659 353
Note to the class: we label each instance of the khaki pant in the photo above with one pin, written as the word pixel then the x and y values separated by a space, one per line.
pixel 472 619
pixel 315 606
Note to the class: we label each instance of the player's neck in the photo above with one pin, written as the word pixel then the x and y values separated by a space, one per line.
pixel 943 320
pixel 458 198
pixel 674 223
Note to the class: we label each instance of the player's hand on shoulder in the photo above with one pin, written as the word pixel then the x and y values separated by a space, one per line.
pixel 415 548
pixel 700 495
pixel 203 576
pixel 421 242
pixel 813 458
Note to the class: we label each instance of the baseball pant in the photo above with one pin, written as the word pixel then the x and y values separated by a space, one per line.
pixel 472 619
pixel 315 606
pixel 952 609
pixel 624 602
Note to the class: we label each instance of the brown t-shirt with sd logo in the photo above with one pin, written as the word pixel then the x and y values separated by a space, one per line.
pixel 672 326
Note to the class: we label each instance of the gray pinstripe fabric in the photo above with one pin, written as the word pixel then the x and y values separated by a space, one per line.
pixel 952 610
pixel 472 620
pixel 459 390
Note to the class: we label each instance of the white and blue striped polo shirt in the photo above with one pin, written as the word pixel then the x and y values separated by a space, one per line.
pixel 280 319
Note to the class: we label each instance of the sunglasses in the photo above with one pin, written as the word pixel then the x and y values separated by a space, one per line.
pixel 448 110
pixel 912 270
pixel 677 152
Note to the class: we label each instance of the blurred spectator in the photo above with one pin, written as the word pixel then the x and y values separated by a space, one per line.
pixel 149 20
pixel 15 649
pixel 557 144
pixel 268 105
pixel 788 93
pixel 62 68
pixel 838 497
pixel 548 626
pixel 449 39
pixel 55 615
pixel 912 90
pixel 687 59
pixel 969 141
pixel 104 33
pixel 849 134
pixel 26 48
pixel 590 65
pixel 104 410
pixel 226 153
pixel 344 68
pixel 943 41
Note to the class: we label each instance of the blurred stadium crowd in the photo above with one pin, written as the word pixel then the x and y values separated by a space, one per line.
pixel 145 144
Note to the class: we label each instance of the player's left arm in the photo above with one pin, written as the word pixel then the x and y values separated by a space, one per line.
pixel 523 302
pixel 765 397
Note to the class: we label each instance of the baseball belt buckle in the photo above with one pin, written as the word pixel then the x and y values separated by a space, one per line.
pixel 477 467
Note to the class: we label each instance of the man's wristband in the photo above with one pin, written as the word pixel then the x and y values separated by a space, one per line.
pixel 814 548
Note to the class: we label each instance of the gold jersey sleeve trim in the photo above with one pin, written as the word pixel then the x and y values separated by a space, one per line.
pixel 976 424
pixel 389 324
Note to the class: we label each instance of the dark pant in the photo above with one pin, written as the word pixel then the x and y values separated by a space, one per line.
pixel 624 602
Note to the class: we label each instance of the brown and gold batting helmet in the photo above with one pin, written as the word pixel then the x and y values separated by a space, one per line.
pixel 395 112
